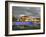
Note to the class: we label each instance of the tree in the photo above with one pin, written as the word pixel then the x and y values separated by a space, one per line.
pixel 14 18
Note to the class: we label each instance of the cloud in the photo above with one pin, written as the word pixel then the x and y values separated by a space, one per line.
pixel 28 11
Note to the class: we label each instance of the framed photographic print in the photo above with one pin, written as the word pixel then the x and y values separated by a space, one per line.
pixel 24 18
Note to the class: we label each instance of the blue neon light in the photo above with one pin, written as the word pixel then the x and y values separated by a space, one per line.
pixel 23 23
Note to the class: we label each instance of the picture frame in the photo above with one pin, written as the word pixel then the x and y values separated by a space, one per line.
pixel 17 5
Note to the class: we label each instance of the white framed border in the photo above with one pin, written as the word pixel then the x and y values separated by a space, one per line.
pixel 23 5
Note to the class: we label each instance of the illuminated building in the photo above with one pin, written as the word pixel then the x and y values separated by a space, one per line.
pixel 29 18
pixel 25 18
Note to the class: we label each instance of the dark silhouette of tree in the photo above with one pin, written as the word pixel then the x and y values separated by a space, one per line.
pixel 14 18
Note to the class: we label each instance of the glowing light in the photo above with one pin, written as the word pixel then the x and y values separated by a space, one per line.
pixel 21 15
